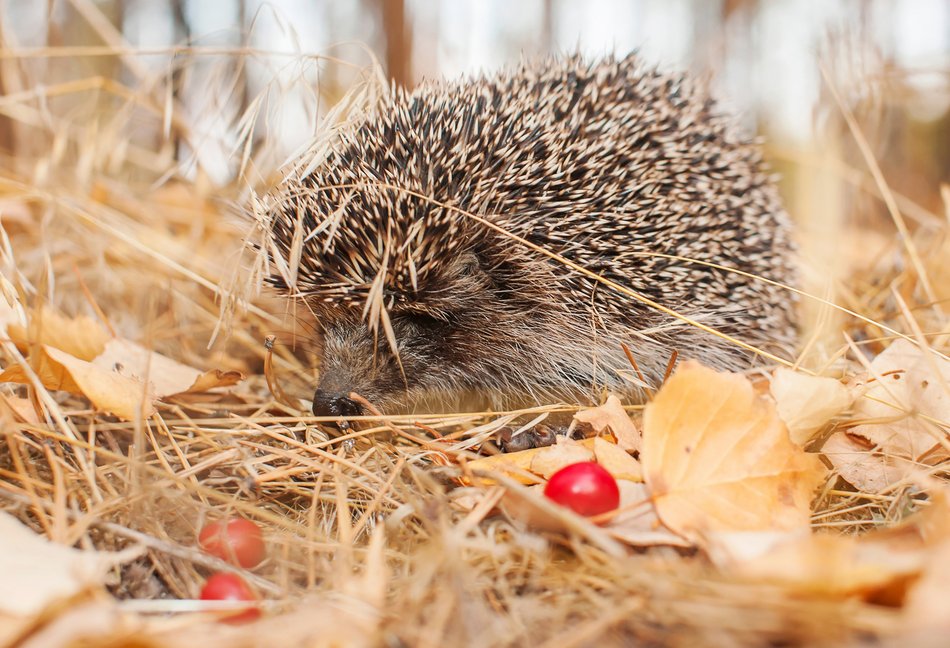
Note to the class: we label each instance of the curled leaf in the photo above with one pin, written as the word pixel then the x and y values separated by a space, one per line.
pixel 611 416
pixel 902 416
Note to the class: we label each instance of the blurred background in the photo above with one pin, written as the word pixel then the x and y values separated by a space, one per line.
pixel 851 97
pixel 891 58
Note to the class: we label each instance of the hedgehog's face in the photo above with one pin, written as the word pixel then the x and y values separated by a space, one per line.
pixel 435 330
pixel 356 359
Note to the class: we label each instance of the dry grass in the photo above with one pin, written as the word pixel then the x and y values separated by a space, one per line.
pixel 370 540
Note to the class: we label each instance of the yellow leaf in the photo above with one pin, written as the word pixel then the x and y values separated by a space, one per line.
pixel 517 465
pixel 833 565
pixel 167 376
pixel 612 416
pixel 877 564
pixel 38 573
pixel 565 452
pixel 81 336
pixel 108 391
pixel 636 522
pixel 717 457
pixel 807 403
pixel 616 461
pixel 20 409
pixel 52 374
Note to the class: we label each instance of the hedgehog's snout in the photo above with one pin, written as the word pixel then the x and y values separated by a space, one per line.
pixel 331 403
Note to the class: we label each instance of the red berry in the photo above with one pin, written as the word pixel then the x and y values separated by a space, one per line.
pixel 585 488
pixel 230 587
pixel 236 540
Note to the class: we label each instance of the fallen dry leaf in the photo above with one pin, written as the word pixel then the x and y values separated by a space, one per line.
pixel 807 403
pixel 563 453
pixel 212 379
pixel 20 409
pixel 38 573
pixel 107 391
pixel 516 465
pixel 521 467
pixel 833 565
pixel 877 564
pixel 862 465
pixel 617 461
pixel 167 376
pixel 78 356
pixel 89 623
pixel 80 336
pixel 611 416
pixel 717 458
pixel 904 415
pixel 927 605
pixel 636 523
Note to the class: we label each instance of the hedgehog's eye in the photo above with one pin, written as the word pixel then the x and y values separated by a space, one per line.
pixel 424 320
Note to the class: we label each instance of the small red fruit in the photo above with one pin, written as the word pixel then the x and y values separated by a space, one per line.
pixel 236 540
pixel 230 587
pixel 585 488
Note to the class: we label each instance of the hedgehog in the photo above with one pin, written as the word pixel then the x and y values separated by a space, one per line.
pixel 470 236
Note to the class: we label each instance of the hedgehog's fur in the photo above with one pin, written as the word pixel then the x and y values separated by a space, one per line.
pixel 605 164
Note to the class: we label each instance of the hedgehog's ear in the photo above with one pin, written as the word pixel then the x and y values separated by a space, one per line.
pixel 467 265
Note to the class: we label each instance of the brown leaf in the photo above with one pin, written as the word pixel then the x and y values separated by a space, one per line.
pixel 612 416
pixel 215 378
pixel 903 415
pixel 717 457
pixel 857 461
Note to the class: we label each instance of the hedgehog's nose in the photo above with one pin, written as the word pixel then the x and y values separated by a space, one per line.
pixel 328 403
